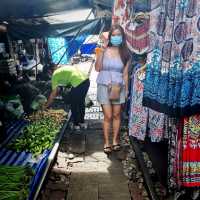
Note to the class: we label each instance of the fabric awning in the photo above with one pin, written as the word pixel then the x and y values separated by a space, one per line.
pixel 29 29
pixel 15 9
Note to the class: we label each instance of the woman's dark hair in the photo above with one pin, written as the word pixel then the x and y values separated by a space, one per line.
pixel 123 50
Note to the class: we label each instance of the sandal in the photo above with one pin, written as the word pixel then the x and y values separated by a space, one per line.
pixel 107 150
pixel 116 147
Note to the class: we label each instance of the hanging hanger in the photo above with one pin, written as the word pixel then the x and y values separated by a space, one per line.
pixel 142 69
pixel 141 72
pixel 141 16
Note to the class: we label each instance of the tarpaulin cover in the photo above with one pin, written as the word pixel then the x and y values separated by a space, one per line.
pixel 58 43
pixel 67 48
pixel 74 45
pixel 104 4
pixel 88 48
pixel 29 29
pixel 31 8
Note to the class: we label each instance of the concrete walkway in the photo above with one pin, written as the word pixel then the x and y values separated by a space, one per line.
pixel 95 176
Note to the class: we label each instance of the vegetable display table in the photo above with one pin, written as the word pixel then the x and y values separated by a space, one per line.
pixel 40 163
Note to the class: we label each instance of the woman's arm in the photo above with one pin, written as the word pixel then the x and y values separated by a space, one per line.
pixel 99 61
pixel 51 97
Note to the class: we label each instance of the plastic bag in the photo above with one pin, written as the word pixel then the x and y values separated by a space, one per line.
pixel 15 108
pixel 38 102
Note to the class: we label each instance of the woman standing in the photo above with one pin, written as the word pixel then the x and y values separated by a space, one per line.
pixel 112 64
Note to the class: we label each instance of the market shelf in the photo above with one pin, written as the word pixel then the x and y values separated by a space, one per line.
pixel 52 156
pixel 147 178
pixel 40 165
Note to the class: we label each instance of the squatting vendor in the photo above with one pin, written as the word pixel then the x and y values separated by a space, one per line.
pixel 71 77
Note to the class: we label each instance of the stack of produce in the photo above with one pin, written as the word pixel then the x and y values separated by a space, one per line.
pixel 40 134
pixel 14 182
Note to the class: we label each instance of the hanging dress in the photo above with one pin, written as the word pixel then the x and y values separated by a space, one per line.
pixel 190 152
pixel 172 83
pixel 144 121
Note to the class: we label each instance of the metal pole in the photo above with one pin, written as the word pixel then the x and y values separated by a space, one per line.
pixel 36 68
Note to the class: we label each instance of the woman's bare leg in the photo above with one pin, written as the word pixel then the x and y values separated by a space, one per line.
pixel 107 111
pixel 116 110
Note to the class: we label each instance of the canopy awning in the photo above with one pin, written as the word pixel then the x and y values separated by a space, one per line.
pixel 14 9
pixel 30 29
pixel 53 18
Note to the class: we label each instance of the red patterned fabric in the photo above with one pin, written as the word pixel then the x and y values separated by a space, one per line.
pixel 188 167
pixel 137 36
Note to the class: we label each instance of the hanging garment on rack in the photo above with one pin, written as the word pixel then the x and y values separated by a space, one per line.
pixel 190 164
pixel 132 70
pixel 172 154
pixel 121 11
pixel 137 35
pixel 172 83
pixel 132 16
pixel 135 68
pixel 166 127
pixel 156 124
pixel 139 119
pixel 184 151
pixel 138 114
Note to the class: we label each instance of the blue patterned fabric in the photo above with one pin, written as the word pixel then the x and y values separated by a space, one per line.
pixel 172 83
pixel 59 46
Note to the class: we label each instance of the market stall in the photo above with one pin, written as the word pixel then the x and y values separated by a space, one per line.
pixel 163 38
pixel 25 147
pixel 30 137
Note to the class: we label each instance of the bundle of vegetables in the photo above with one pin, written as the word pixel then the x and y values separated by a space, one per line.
pixel 14 182
pixel 40 134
